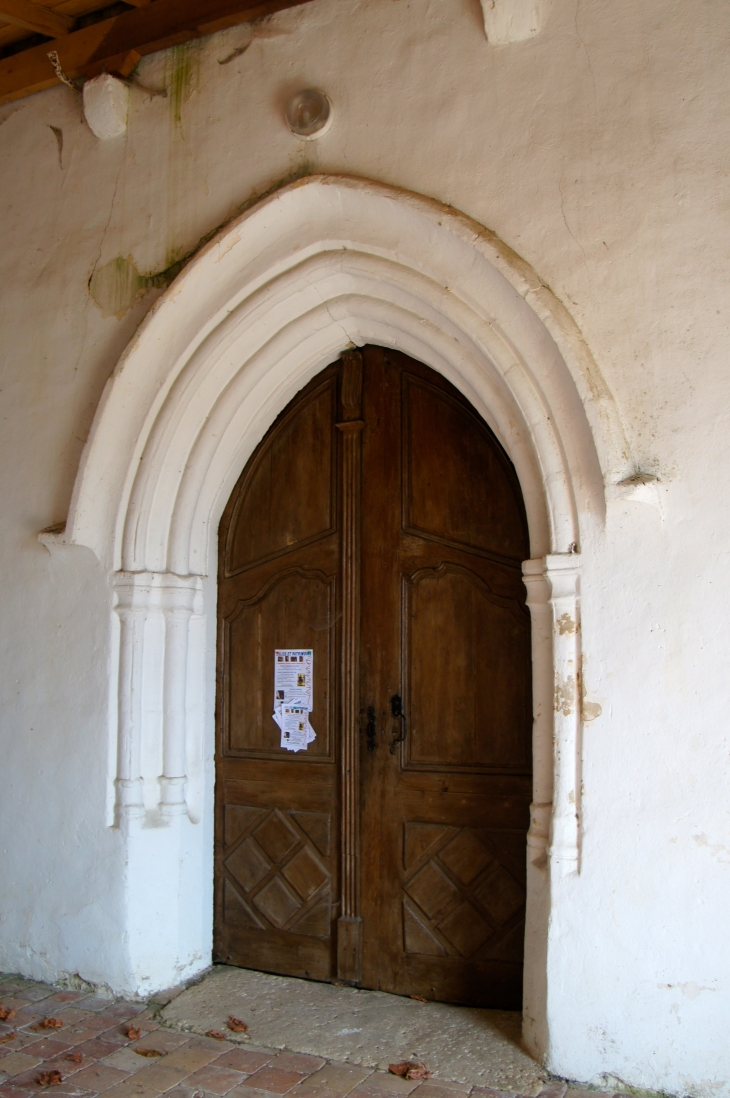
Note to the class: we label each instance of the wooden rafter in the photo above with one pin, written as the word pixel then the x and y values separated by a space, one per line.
pixel 108 45
pixel 35 17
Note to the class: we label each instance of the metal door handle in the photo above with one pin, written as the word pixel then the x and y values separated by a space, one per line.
pixel 370 730
pixel 396 708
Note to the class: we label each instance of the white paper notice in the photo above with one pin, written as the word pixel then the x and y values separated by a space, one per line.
pixel 293 696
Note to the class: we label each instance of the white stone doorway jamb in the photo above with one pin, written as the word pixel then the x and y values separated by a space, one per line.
pixel 277 295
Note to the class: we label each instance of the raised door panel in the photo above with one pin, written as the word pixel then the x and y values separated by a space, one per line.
pixel 295 609
pixel 458 485
pixel 287 497
pixel 466 655
pixel 277 877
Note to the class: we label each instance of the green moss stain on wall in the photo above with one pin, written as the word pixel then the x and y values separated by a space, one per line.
pixel 117 285
pixel 182 73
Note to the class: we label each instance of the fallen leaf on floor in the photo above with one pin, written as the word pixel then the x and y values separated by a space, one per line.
pixel 75 1057
pixel 419 998
pixel 49 1023
pixel 147 1052
pixel 410 1069
pixel 6 1014
pixel 8 1037
pixel 418 1071
pixel 216 1035
pixel 49 1078
pixel 237 1025
pixel 133 1033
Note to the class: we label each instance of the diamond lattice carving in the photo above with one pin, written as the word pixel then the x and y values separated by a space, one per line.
pixel 275 875
pixel 462 899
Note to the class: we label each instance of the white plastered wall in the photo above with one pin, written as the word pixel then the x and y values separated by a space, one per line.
pixel 596 149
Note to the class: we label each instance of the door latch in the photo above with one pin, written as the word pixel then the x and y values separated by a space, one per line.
pixel 396 708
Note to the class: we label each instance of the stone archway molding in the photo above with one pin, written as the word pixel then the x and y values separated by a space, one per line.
pixel 327 263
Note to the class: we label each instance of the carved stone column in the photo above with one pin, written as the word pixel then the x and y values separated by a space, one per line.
pixel 139 595
pixel 538 601
pixel 349 925
pixel 553 596
pixel 177 598
pixel 131 608
pixel 563 574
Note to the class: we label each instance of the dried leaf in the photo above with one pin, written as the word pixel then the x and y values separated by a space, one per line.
pixel 418 1071
pixel 237 1025
pixel 419 998
pixel 75 1057
pixel 8 1037
pixel 399 1069
pixel 49 1078
pixel 133 1033
pixel 216 1035
pixel 147 1052
pixel 410 1069
pixel 49 1023
pixel 6 1014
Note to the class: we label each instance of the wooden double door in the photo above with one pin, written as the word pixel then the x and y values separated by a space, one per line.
pixel 381 525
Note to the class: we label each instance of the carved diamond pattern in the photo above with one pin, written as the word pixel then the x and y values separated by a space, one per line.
pixel 274 868
pixel 462 899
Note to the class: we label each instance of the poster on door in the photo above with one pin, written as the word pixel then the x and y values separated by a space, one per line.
pixel 293 696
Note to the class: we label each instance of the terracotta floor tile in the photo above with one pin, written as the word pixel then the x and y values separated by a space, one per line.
pixel 68 1090
pixel 126 1009
pixel 132 1088
pixel 162 1075
pixel 98 1077
pixel 431 1089
pixel 319 1092
pixel 219 1080
pixel 35 993
pixel 298 1061
pixel 7 1090
pixel 274 1080
pixel 165 1039
pixel 211 1043
pixel 382 1085
pixel 126 1059
pixel 66 1067
pixel 393 1084
pixel 489 1092
pixel 96 1003
pixel 19 1062
pixel 191 1058
pixel 67 997
pixel 338 1076
pixel 240 1059
pixel 48 1047
pixel 250 1092
pixel 96 1048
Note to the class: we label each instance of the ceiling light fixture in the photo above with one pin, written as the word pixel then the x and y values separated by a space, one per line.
pixel 309 114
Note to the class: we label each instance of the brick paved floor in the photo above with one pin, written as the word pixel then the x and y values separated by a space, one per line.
pixel 88 1043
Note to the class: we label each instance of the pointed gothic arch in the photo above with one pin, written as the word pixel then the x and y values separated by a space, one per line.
pixel 326 263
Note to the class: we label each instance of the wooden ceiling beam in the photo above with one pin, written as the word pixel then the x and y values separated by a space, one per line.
pixel 35 17
pixel 104 46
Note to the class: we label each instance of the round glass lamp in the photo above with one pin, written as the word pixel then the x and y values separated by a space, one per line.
pixel 309 114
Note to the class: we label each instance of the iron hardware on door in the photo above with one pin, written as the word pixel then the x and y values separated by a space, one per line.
pixel 396 708
pixel 370 730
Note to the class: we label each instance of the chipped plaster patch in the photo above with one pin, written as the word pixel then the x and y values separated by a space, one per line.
pixel 565 625
pixel 565 696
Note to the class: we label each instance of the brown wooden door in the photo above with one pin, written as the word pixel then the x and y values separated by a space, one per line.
pixel 380 524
